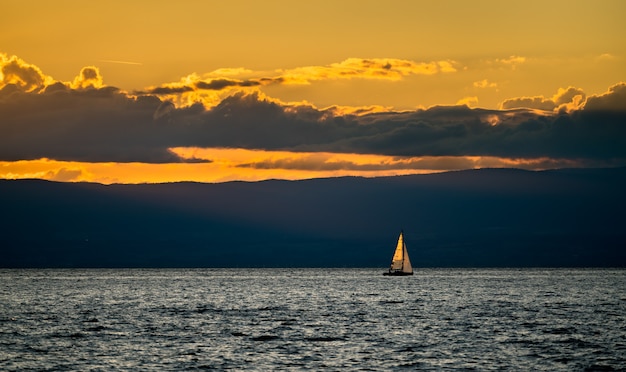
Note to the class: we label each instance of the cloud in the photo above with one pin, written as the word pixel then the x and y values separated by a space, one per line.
pixel 468 101
pixel 89 77
pixel 613 100
pixel 86 122
pixel 605 57
pixel 220 72
pixel 566 100
pixel 484 84
pixel 512 61
pixel 16 72
pixel 324 162
pixel 333 162
pixel 43 168
pixel 248 121
pixel 17 75
pixel 352 68
pixel 106 125
pixel 211 84
pixel 375 68
pixel 64 175
pixel 97 124
pixel 536 102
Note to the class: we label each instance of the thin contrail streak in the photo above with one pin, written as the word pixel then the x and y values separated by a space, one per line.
pixel 122 62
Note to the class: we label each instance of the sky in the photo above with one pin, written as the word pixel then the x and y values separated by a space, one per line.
pixel 162 91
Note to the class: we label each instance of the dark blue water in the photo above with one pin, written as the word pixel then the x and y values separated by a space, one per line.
pixel 269 319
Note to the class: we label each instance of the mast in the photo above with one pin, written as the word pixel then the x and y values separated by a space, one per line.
pixel 403 246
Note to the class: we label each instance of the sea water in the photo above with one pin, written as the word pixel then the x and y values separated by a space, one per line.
pixel 318 319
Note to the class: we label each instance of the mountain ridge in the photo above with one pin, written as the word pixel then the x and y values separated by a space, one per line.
pixel 484 218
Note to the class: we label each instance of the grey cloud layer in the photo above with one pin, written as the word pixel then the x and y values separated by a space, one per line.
pixel 101 125
pixel 212 84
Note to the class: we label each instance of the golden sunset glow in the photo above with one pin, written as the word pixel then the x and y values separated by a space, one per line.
pixel 201 91
pixel 246 165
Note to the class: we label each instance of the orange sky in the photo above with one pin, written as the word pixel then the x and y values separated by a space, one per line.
pixel 331 58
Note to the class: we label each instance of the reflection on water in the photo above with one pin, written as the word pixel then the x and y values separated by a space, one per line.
pixel 269 319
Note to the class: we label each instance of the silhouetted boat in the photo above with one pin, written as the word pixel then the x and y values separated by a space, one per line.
pixel 400 262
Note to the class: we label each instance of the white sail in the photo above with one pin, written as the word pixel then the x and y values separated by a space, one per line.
pixel 406 263
pixel 398 255
pixel 400 262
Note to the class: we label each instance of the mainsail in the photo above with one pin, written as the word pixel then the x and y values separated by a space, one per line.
pixel 400 262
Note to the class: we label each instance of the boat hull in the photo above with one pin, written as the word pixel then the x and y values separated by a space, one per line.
pixel 397 273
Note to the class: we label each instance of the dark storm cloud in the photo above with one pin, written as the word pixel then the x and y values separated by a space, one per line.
pixel 106 124
pixel 97 125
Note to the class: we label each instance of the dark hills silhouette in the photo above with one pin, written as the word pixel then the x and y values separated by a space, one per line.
pixel 476 218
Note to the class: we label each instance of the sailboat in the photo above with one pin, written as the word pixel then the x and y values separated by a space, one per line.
pixel 400 262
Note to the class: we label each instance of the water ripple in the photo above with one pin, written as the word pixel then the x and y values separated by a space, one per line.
pixel 269 319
